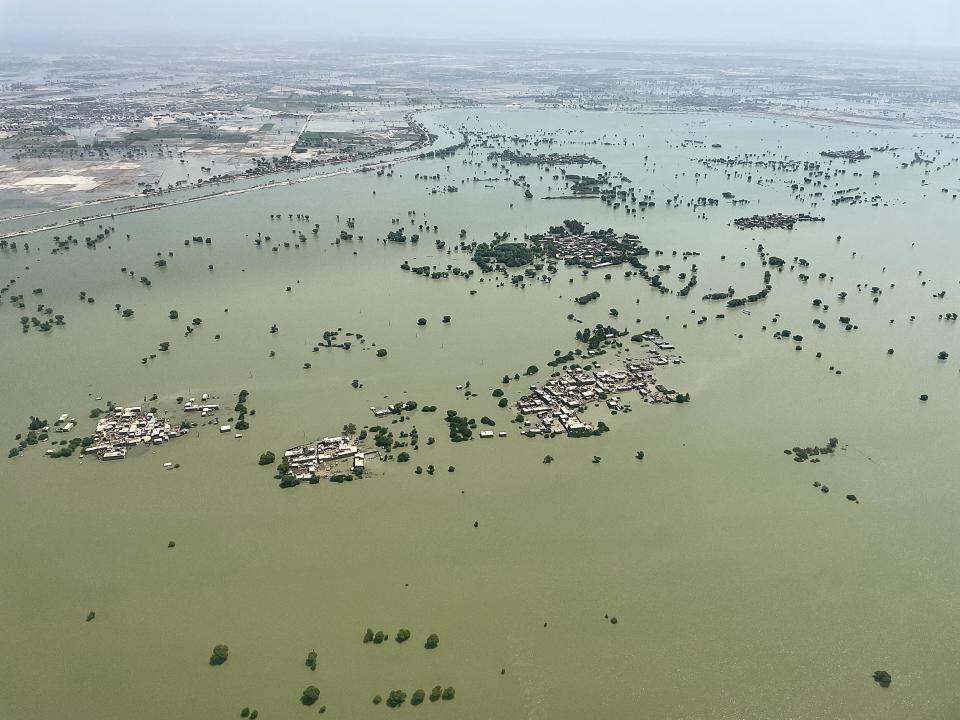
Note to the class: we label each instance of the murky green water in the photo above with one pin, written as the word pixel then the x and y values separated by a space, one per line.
pixel 740 590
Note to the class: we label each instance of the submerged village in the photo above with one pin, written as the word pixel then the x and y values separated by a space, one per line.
pixel 119 429
pixel 553 408
pixel 558 406
pixel 565 403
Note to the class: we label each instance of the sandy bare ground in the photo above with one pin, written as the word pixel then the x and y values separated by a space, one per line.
pixel 40 183
pixel 162 204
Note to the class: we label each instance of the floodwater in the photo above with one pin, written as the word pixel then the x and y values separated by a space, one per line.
pixel 740 590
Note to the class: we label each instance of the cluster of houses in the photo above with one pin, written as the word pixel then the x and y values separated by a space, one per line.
pixel 849 155
pixel 205 407
pixel 305 462
pixel 122 428
pixel 554 407
pixel 392 409
pixel 777 220
pixel 585 250
pixel 65 423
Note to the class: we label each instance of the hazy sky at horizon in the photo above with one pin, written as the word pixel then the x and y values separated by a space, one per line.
pixel 871 22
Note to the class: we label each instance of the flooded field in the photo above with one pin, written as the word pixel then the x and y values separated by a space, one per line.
pixel 740 589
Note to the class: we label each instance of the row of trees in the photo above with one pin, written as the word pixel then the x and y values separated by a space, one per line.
pixel 396 698
pixel 403 634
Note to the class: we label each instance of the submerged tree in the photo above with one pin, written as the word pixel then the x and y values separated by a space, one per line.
pixel 396 698
pixel 219 656
pixel 310 695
